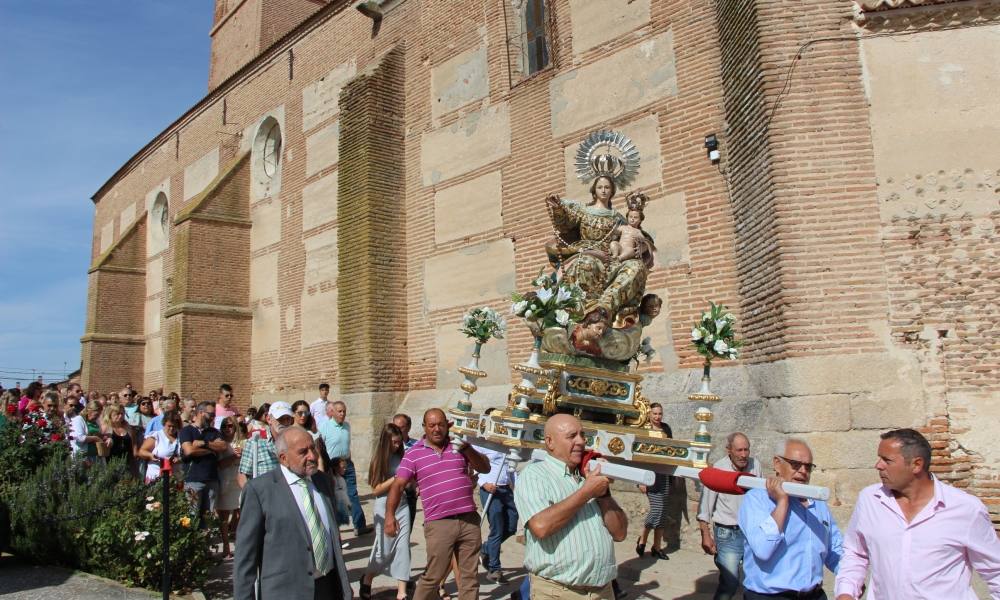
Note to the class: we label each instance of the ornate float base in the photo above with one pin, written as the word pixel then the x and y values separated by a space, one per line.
pixel 609 403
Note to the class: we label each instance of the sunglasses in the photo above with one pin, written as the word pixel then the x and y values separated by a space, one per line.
pixel 798 464
pixel 302 413
pixel 145 404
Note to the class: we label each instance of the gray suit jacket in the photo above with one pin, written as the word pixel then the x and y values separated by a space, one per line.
pixel 273 537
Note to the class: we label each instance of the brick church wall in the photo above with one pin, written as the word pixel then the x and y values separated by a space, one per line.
pixel 841 302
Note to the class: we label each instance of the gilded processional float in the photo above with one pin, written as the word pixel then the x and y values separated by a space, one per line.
pixel 587 316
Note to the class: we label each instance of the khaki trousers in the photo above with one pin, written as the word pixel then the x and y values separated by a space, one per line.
pixel 546 589
pixel 457 536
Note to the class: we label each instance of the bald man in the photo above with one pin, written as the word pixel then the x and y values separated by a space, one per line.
pixel 451 523
pixel 572 522
pixel 288 537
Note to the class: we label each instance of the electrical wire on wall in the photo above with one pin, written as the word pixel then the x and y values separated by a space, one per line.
pixel 790 70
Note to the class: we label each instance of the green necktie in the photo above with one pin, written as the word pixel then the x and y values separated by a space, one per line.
pixel 316 532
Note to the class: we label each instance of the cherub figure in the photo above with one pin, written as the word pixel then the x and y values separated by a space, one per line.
pixel 586 335
pixel 630 239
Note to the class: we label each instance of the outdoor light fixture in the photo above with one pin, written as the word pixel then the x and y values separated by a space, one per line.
pixel 712 146
pixel 370 9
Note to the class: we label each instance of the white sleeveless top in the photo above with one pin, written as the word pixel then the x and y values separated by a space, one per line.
pixel 164 448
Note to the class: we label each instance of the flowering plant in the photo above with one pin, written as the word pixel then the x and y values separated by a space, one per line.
pixel 482 324
pixel 38 427
pixel 713 335
pixel 553 304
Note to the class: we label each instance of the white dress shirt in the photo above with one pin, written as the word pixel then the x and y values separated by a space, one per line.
pixel 324 515
pixel 500 473
pixel 318 410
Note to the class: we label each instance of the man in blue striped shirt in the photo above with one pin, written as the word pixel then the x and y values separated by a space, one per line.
pixel 572 520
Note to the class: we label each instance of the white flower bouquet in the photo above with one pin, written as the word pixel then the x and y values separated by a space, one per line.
pixel 713 335
pixel 482 324
pixel 553 304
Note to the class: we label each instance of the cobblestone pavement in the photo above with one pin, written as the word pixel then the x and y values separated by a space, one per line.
pixel 23 581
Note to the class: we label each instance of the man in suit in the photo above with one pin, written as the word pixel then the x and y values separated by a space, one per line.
pixel 287 534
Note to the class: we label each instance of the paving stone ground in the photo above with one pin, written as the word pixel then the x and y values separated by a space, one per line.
pixel 687 575
pixel 23 581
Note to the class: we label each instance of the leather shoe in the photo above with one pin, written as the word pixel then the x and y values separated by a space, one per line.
pixel 496 577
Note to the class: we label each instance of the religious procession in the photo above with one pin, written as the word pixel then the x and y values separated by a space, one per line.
pixel 538 299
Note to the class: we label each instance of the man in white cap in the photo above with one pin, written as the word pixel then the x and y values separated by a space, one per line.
pixel 259 455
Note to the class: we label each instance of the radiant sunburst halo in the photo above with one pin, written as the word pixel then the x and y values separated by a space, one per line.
pixel 607 153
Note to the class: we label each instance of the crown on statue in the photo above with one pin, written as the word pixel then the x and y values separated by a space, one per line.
pixel 636 201
pixel 607 154
pixel 606 165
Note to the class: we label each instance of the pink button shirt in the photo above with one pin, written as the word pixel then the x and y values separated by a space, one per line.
pixel 930 558
pixel 443 480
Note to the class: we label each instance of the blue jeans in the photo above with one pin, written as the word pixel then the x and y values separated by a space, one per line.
pixel 728 557
pixel 204 495
pixel 357 513
pixel 502 515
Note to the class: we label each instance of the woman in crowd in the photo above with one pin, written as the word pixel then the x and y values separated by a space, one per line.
pixel 228 505
pixel 161 444
pixel 31 399
pixel 257 420
pixel 119 440
pixel 8 407
pixel 144 415
pixel 390 555
pixel 94 438
pixel 304 418
pixel 658 493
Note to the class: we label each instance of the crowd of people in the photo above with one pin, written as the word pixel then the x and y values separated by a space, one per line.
pixel 281 480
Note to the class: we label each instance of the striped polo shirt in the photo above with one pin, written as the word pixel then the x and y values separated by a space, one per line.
pixel 442 478
pixel 582 553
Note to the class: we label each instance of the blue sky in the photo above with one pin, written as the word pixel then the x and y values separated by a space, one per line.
pixel 85 84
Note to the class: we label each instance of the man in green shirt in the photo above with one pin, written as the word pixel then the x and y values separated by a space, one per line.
pixel 572 520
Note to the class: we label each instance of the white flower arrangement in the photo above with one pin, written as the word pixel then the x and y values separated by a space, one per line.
pixel 553 304
pixel 482 324
pixel 713 335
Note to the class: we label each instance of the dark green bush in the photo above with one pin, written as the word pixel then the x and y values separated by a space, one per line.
pixel 99 519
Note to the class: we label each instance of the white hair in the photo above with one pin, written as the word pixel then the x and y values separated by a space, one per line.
pixel 281 441
pixel 781 446
pixel 732 438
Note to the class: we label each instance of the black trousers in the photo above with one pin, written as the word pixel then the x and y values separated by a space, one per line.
pixel 328 587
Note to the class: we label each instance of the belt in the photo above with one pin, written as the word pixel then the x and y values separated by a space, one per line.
pixel 575 588
pixel 726 526
pixel 811 593
pixel 460 515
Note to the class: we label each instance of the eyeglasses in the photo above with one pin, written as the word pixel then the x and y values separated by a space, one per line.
pixel 798 464
pixel 302 413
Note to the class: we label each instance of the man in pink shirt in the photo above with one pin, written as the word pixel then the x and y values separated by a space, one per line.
pixel 223 406
pixel 451 523
pixel 920 537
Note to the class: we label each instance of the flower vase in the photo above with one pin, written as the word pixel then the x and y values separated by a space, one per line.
pixel 704 414
pixel 531 370
pixel 706 379
pixel 472 372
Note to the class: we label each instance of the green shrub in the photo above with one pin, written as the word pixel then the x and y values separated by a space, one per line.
pixel 99 519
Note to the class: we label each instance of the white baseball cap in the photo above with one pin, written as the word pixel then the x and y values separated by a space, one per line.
pixel 280 409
